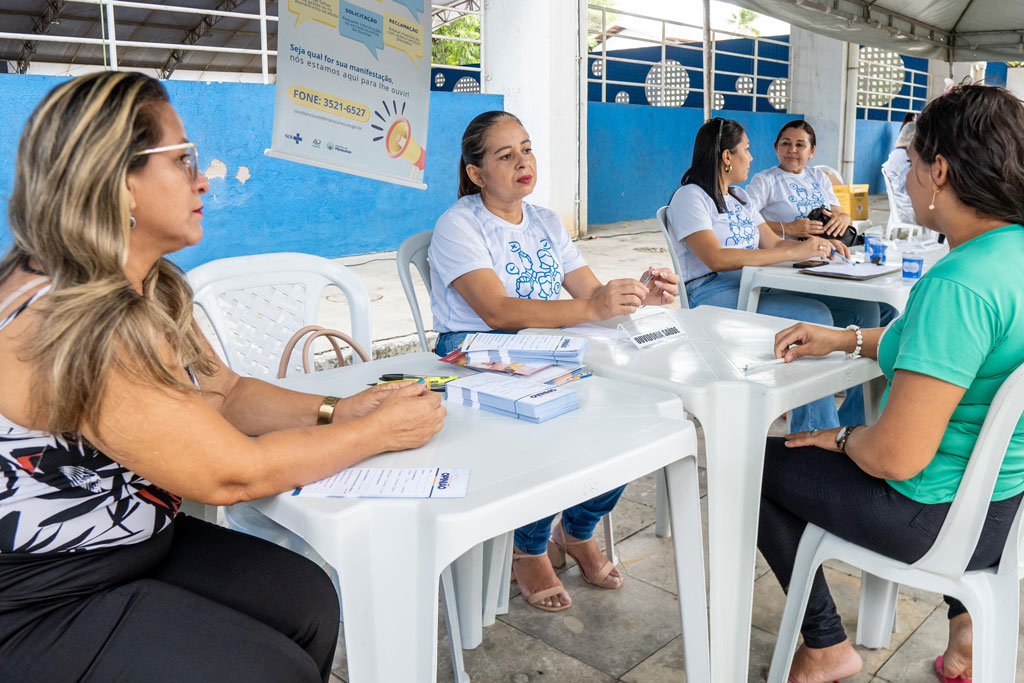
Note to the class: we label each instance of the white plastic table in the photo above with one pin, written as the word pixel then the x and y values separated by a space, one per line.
pixel 390 553
pixel 890 289
pixel 705 369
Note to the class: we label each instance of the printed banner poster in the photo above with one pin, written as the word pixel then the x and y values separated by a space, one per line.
pixel 353 86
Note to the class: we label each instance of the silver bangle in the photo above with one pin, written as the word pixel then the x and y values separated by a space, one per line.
pixel 860 341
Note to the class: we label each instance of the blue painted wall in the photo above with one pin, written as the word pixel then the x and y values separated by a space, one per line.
pixel 636 155
pixel 875 139
pixel 284 206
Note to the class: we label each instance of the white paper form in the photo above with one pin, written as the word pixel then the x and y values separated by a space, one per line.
pixel 390 482
pixel 485 341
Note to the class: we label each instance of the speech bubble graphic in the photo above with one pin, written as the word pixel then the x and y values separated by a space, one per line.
pixel 321 11
pixel 361 25
pixel 415 7
pixel 404 35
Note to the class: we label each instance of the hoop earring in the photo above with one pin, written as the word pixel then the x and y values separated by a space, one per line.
pixel 934 194
pixel 131 222
pixel 728 168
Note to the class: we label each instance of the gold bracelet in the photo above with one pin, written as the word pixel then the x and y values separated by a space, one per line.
pixel 325 414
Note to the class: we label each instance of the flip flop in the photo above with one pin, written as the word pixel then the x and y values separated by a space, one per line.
pixel 943 677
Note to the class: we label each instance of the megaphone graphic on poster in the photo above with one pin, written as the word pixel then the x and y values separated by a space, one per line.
pixel 399 143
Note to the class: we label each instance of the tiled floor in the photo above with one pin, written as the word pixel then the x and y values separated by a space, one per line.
pixel 632 635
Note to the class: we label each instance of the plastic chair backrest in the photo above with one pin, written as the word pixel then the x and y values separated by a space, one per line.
pixel 894 223
pixel 667 234
pixel 828 170
pixel 256 303
pixel 959 534
pixel 413 252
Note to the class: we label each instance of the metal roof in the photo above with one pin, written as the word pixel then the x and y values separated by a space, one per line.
pixel 80 20
pixel 152 24
pixel 950 30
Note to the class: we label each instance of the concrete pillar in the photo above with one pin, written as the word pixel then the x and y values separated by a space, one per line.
pixel 532 56
pixel 816 81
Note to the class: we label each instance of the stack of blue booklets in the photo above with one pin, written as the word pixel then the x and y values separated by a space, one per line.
pixel 482 347
pixel 512 396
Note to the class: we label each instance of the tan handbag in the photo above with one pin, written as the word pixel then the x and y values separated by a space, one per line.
pixel 314 331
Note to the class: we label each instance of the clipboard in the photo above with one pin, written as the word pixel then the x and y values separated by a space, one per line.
pixel 860 271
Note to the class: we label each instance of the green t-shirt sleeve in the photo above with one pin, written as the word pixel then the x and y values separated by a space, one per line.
pixel 948 332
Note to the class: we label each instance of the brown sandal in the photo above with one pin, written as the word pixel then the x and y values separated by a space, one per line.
pixel 534 599
pixel 557 553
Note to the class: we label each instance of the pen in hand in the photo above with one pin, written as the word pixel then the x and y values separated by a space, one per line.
pixel 845 260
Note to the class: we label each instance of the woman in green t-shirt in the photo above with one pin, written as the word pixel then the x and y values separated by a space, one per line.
pixel 888 487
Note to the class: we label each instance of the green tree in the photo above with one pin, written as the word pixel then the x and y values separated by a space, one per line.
pixel 456 52
pixel 594 16
pixel 743 22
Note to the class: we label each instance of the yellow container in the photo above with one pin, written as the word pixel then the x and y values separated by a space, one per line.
pixel 854 200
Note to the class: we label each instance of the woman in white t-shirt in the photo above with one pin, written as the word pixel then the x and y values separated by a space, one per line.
pixel 784 195
pixel 498 263
pixel 717 230
pixel 895 170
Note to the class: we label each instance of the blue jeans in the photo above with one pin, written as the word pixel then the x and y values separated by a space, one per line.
pixel 579 520
pixel 723 289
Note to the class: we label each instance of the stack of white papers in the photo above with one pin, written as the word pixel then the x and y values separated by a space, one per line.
pixel 512 396
pixel 485 347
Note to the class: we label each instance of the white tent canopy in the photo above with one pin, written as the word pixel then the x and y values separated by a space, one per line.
pixel 949 30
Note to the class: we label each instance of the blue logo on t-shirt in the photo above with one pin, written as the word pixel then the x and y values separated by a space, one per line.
pixel 744 232
pixel 804 200
pixel 542 282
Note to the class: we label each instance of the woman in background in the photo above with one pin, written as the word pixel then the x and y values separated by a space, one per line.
pixel 718 230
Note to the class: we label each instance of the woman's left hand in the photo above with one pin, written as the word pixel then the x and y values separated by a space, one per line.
pixel 662 287
pixel 840 247
pixel 838 222
pixel 822 438
pixel 367 401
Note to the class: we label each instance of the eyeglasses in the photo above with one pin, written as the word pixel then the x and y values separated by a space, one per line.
pixel 718 140
pixel 190 160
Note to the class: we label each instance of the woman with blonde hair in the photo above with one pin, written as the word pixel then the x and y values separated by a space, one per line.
pixel 114 408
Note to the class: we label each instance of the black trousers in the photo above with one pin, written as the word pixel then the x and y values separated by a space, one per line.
pixel 829 490
pixel 196 602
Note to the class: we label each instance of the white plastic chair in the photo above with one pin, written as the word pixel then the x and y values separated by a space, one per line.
pixel 829 171
pixel 991 595
pixel 255 304
pixel 413 252
pixel 895 226
pixel 670 242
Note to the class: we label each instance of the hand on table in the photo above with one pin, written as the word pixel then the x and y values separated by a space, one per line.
pixel 408 417
pixel 618 297
pixel 366 401
pixel 812 247
pixel 840 247
pixel 662 287
pixel 805 339
pixel 822 438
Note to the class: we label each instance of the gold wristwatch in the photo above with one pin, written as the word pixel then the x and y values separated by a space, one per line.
pixel 326 411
